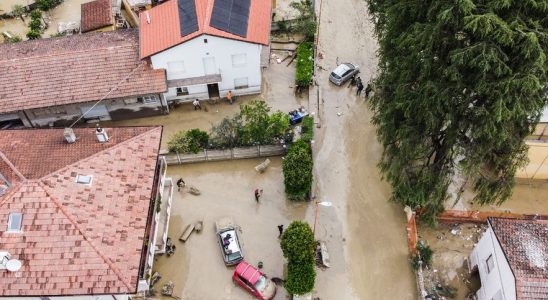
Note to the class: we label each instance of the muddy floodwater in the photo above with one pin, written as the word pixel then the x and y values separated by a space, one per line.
pixel 197 269
pixel 67 11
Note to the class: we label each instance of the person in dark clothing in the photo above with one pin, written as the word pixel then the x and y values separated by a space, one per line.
pixel 368 90
pixel 180 183
pixel 360 88
pixel 281 230
pixel 258 194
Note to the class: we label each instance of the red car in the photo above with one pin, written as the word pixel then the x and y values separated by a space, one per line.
pixel 255 282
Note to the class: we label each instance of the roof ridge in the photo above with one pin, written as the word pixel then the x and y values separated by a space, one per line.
pixel 100 152
pixel 12 166
pixel 75 224
pixel 64 53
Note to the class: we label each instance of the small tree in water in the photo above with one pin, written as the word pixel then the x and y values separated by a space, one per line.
pixel 297 244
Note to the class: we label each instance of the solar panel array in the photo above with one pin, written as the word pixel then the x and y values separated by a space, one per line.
pixel 188 20
pixel 231 16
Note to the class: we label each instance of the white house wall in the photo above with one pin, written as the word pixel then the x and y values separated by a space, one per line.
pixel 94 297
pixel 192 53
pixel 501 277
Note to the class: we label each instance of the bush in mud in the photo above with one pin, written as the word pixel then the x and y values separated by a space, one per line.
pixel 46 5
pixel 297 244
pixel 297 169
pixel 424 256
pixel 227 134
pixel 305 64
pixel 307 129
pixel 191 141
pixel 260 127
pixel 33 35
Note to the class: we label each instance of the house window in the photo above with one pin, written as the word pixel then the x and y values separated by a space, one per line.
pixel 152 99
pixel 241 83
pixel 176 67
pixel 84 179
pixel 15 220
pixel 239 60
pixel 182 91
pixel 490 264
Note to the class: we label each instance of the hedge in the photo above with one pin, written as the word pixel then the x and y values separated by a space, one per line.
pixel 305 64
pixel 191 141
pixel 307 129
pixel 297 169
pixel 297 244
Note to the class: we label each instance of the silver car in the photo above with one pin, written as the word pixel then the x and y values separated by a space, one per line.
pixel 343 72
pixel 229 241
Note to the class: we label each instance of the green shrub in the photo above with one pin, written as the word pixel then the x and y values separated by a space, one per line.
pixel 227 133
pixel 35 24
pixel 46 5
pixel 191 141
pixel 307 129
pixel 197 140
pixel 33 34
pixel 425 255
pixel 300 278
pixel 13 39
pixel 297 169
pixel 36 14
pixel 17 10
pixel 305 23
pixel 297 244
pixel 305 64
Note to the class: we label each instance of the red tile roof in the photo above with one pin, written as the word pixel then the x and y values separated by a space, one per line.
pixel 525 245
pixel 74 69
pixel 163 32
pixel 77 239
pixel 95 15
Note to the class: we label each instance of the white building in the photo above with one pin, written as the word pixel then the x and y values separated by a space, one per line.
pixel 512 260
pixel 207 47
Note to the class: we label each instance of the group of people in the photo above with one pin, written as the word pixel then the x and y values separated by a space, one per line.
pixel 229 98
pixel 359 86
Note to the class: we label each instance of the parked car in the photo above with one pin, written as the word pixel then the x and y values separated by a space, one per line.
pixel 255 282
pixel 229 241
pixel 343 72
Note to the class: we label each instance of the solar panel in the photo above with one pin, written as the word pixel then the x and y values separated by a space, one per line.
pixel 231 16
pixel 188 21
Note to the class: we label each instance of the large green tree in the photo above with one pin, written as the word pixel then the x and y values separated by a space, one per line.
pixel 461 83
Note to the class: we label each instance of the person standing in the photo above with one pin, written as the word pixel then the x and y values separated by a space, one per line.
pixel 180 183
pixel 281 230
pixel 360 88
pixel 368 90
pixel 229 96
pixel 258 194
pixel 197 105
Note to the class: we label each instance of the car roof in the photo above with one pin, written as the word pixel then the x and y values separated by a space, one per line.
pixel 233 245
pixel 248 272
pixel 340 69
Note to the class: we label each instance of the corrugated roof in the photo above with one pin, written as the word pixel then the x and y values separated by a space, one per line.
pixel 74 69
pixel 525 245
pixel 77 239
pixel 95 15
pixel 164 32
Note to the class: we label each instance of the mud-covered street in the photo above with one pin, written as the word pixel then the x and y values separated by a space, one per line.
pixel 367 235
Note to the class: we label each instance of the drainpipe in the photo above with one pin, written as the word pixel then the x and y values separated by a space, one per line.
pixel 28 119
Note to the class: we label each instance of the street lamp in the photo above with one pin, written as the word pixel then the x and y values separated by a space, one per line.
pixel 325 203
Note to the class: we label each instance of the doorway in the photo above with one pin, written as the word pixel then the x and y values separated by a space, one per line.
pixel 213 90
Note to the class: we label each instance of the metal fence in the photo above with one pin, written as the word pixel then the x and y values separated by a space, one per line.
pixel 228 154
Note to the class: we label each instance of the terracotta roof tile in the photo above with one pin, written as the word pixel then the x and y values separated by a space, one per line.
pixel 74 69
pixel 525 245
pixel 95 15
pixel 76 239
pixel 163 31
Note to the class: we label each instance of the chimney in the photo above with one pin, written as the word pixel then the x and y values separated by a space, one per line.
pixel 101 134
pixel 7 263
pixel 69 135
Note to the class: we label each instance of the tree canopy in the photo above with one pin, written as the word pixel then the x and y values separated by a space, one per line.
pixel 461 84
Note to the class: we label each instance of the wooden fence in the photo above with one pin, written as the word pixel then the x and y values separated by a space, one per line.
pixel 228 154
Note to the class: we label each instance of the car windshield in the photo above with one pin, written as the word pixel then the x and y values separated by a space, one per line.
pixel 335 75
pixel 261 284
pixel 234 256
